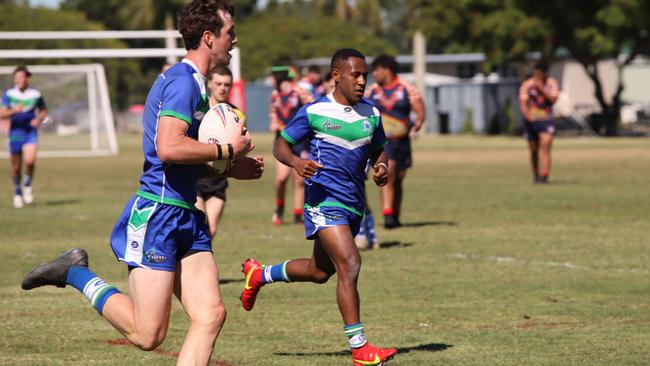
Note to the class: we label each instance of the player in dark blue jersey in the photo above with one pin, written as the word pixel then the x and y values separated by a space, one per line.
pixel 26 110
pixel 160 235
pixel 395 99
pixel 345 131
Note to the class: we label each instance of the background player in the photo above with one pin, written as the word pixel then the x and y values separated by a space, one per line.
pixel 26 110
pixel 395 99
pixel 286 100
pixel 537 95
pixel 347 131
pixel 211 191
pixel 162 238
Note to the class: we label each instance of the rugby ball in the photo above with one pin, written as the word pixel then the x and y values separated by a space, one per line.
pixel 217 127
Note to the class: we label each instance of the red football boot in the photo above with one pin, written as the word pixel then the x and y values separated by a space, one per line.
pixel 253 272
pixel 369 355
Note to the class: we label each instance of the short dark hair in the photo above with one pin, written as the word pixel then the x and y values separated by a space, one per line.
pixel 387 62
pixel 22 68
pixel 344 54
pixel 199 16
pixel 541 66
pixel 313 68
pixel 220 70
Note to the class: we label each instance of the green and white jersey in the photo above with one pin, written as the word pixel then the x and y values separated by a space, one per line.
pixel 342 139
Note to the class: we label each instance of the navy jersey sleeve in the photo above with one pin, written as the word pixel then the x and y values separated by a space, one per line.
pixel 178 99
pixel 40 103
pixel 379 136
pixel 299 129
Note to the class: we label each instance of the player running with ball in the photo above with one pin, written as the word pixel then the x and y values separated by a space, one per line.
pixel 161 236
pixel 345 131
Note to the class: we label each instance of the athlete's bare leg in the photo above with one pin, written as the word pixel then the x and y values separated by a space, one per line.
pixel 533 146
pixel 29 155
pixel 214 207
pixel 545 143
pixel 337 244
pixel 197 287
pixel 143 316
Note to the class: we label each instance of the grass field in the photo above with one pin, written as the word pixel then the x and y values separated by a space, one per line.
pixel 488 270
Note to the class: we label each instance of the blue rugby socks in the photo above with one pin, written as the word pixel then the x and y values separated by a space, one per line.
pixel 275 273
pixel 94 288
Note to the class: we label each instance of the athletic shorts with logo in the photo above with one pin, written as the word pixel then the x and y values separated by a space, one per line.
pixel 19 137
pixel 318 218
pixel 533 129
pixel 399 150
pixel 156 236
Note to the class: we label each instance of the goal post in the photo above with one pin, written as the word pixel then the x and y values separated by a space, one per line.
pixel 80 119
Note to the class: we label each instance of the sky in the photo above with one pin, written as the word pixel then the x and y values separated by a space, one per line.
pixel 48 3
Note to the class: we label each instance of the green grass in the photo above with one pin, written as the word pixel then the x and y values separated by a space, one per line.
pixel 493 271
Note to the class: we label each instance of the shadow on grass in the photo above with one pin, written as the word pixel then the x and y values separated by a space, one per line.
pixel 429 347
pixel 225 281
pixel 393 244
pixel 430 223
pixel 61 202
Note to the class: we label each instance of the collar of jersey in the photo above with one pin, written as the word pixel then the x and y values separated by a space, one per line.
pixel 330 96
pixel 189 62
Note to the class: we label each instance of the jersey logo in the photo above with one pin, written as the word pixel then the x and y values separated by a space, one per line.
pixel 328 125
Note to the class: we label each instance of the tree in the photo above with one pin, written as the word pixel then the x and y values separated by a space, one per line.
pixel 290 31
pixel 595 30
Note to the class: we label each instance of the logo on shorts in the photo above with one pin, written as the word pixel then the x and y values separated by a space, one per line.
pixel 150 256
pixel 134 244
pixel 328 125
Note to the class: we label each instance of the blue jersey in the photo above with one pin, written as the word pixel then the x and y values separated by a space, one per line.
pixel 181 93
pixel 30 100
pixel 342 140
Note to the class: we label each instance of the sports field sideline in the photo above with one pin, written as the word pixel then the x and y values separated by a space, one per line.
pixel 488 270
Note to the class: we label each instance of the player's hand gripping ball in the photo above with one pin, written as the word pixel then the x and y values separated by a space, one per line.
pixel 218 126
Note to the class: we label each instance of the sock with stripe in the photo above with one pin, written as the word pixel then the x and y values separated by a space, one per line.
pixel 370 227
pixel 17 189
pixel 94 288
pixel 356 335
pixel 275 273
pixel 27 180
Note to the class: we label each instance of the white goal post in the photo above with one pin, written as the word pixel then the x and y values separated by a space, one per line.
pixel 80 119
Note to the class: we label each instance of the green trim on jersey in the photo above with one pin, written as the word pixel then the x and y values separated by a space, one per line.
pixel 27 103
pixel 335 204
pixel 204 104
pixel 349 131
pixel 171 113
pixel 167 201
pixel 287 137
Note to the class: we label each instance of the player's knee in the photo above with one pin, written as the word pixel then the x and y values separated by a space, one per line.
pixel 350 268
pixel 321 277
pixel 211 319
pixel 149 341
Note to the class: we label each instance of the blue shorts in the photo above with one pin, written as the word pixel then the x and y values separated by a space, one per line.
pixel 533 129
pixel 19 138
pixel 156 236
pixel 318 218
pixel 399 150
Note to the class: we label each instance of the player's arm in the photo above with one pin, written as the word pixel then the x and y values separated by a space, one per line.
pixel 552 94
pixel 304 168
pixel 274 120
pixel 378 158
pixel 523 100
pixel 417 105
pixel 297 130
pixel 174 146
pixel 242 169
pixel 41 115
